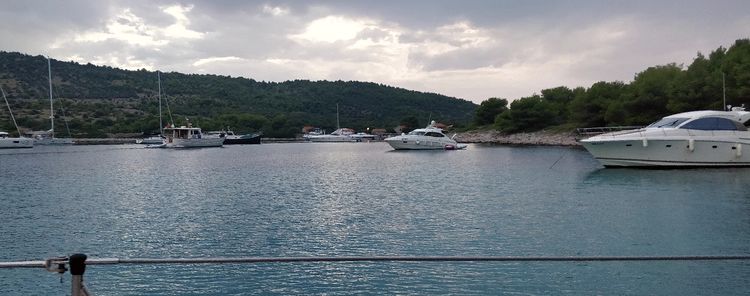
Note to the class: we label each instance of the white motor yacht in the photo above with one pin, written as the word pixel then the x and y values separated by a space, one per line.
pixel 363 137
pixel 6 141
pixel 428 138
pixel 189 137
pixel 690 139
pixel 339 135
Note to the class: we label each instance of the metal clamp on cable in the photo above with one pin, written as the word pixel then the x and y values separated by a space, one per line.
pixel 56 264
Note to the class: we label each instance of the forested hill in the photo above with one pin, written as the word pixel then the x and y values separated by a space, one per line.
pixel 100 99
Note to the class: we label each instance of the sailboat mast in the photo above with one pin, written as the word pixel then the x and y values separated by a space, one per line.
pixel 338 126
pixel 11 112
pixel 51 107
pixel 724 91
pixel 161 125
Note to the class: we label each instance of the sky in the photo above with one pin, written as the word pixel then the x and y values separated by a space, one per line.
pixel 468 49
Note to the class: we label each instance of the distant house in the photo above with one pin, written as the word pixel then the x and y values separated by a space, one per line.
pixel 400 128
pixel 378 131
pixel 442 126
pixel 307 129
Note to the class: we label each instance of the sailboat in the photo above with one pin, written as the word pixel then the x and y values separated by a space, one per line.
pixel 48 138
pixel 339 135
pixel 156 141
pixel 6 141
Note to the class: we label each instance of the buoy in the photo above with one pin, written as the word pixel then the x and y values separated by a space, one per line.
pixel 691 145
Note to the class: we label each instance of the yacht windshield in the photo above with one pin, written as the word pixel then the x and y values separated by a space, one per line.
pixel 668 122
pixel 416 133
pixel 714 124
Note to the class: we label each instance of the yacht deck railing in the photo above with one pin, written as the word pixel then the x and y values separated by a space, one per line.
pixel 593 131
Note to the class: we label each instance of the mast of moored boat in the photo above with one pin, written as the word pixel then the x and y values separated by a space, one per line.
pixel 51 107
pixel 338 126
pixel 724 91
pixel 11 112
pixel 161 125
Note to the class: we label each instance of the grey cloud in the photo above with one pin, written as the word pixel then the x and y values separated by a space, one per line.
pixel 463 59
pixel 536 34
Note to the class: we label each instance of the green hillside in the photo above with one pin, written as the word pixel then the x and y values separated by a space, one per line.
pixel 98 100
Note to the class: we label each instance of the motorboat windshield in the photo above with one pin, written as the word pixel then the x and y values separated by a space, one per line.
pixel 416 133
pixel 714 124
pixel 668 122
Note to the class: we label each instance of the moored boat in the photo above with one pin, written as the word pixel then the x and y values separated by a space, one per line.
pixel 155 141
pixel 230 138
pixel 151 140
pixel 339 135
pixel 189 137
pixel 48 137
pixel 689 139
pixel 6 141
pixel 428 138
pixel 361 137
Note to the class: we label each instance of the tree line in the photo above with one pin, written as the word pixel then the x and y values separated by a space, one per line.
pixel 654 93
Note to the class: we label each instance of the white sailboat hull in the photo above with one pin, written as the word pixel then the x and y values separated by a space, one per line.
pixel 10 143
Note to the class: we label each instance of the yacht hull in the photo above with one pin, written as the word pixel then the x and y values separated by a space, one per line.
pixel 409 143
pixel 330 138
pixel 242 140
pixel 195 143
pixel 670 153
pixel 11 143
pixel 150 141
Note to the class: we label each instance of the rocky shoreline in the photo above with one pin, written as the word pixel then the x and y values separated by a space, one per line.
pixel 535 138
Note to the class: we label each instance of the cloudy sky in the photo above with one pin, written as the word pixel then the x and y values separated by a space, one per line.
pixel 468 49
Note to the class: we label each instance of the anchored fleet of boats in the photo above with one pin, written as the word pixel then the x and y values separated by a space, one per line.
pixel 690 139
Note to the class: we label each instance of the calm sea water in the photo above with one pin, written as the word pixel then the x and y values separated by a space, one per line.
pixel 319 199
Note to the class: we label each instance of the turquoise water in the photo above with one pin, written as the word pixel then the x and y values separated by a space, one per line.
pixel 363 199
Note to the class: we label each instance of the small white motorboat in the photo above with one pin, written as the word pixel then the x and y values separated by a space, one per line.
pixel 428 138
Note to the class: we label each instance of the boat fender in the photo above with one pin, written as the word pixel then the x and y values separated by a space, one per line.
pixel 739 150
pixel 417 142
pixel 645 142
pixel 691 145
